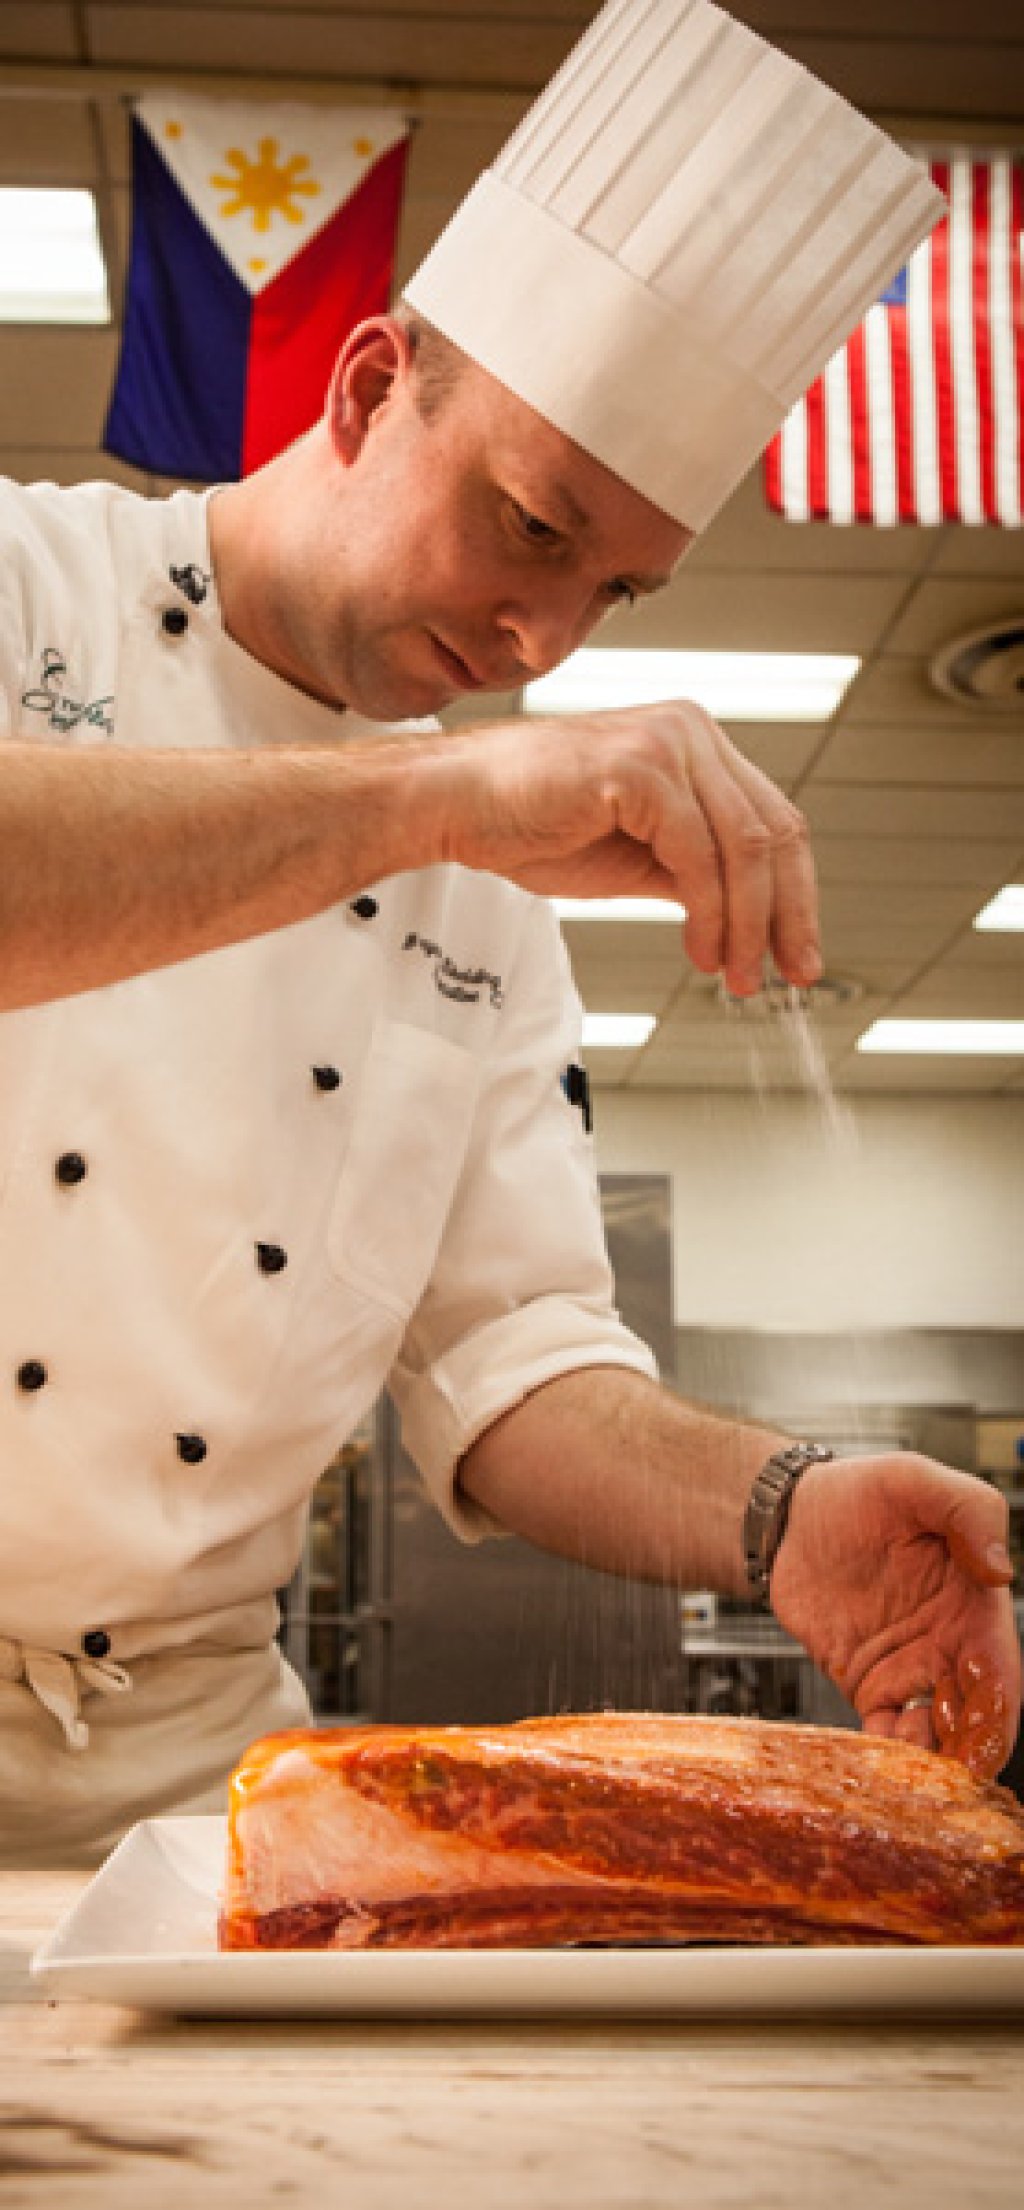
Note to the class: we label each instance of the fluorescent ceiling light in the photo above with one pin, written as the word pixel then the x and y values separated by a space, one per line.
pixel 51 264
pixel 618 909
pixel 737 686
pixel 1005 910
pixel 972 1038
pixel 617 1031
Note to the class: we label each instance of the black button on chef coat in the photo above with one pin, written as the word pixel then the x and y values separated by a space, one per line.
pixel 31 1374
pixel 96 1642
pixel 192 1448
pixel 327 1078
pixel 270 1258
pixel 174 621
pixel 365 907
pixel 70 1168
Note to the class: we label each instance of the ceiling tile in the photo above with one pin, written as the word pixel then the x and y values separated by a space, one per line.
pixel 957 991
pixel 934 1077
pixel 901 908
pixel 112 120
pixel 876 860
pixel 624 985
pixel 853 809
pixel 701 1019
pixel 898 690
pixel 359 43
pixel 862 951
pixel 37 30
pixel 573 13
pixel 880 976
pixel 758 612
pixel 879 20
pixel 969 552
pixel 55 384
pixel 984 948
pixel 975 753
pixel 860 925
pixel 42 142
pixel 652 945
pixel 448 154
pixel 952 607
pixel 747 535
pixel 779 749
pixel 908 76
pixel 760 1057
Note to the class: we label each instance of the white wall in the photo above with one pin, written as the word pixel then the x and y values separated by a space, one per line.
pixel 909 1214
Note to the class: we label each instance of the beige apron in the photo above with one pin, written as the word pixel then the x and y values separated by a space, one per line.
pixel 162 1738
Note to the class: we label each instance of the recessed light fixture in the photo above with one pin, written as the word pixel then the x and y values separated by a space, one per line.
pixel 618 909
pixel 737 686
pixel 981 1039
pixel 984 670
pixel 1005 910
pixel 51 262
pixel 617 1031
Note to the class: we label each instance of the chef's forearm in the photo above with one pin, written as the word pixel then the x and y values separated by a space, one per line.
pixel 113 861
pixel 605 1466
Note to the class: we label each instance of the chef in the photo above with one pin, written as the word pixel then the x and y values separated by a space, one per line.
pixel 290 1097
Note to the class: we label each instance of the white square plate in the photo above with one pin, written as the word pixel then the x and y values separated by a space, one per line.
pixel 144 1932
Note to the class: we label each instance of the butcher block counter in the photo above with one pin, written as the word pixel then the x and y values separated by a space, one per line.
pixel 108 2108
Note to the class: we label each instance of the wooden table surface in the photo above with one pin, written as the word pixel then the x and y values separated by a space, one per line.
pixel 103 2108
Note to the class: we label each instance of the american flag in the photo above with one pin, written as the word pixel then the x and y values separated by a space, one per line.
pixel 920 416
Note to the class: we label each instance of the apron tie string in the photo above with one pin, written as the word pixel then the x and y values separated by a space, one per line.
pixel 57 1680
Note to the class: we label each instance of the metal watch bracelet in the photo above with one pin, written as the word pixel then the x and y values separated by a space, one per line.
pixel 764 1521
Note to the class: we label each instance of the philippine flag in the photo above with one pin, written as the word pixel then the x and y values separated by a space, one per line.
pixel 260 237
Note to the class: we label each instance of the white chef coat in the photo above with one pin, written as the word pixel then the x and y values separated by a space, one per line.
pixel 240 1194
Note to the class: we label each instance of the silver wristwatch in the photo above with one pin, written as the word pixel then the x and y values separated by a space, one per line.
pixel 764 1521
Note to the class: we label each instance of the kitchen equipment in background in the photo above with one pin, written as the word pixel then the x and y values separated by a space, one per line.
pixel 389 1617
pixel 335 1610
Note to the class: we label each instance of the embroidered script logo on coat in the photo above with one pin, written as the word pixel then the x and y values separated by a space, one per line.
pixel 61 708
pixel 466 984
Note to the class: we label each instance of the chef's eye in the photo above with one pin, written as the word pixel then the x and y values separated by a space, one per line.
pixel 531 526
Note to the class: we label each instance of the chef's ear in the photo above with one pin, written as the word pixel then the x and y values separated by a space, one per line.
pixel 374 360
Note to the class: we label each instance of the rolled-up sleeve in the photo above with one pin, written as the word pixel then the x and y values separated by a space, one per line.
pixel 522 1290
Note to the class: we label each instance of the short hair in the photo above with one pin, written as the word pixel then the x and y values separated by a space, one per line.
pixel 438 364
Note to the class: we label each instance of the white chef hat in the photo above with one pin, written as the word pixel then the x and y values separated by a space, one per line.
pixel 681 232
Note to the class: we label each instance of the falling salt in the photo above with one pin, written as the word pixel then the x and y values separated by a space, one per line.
pixel 600 1639
pixel 785 1043
pixel 808 1055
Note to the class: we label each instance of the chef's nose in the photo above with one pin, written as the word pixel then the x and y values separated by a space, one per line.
pixel 544 632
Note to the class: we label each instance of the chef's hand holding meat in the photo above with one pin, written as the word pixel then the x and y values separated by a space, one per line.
pixel 892 1571
pixel 894 1574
